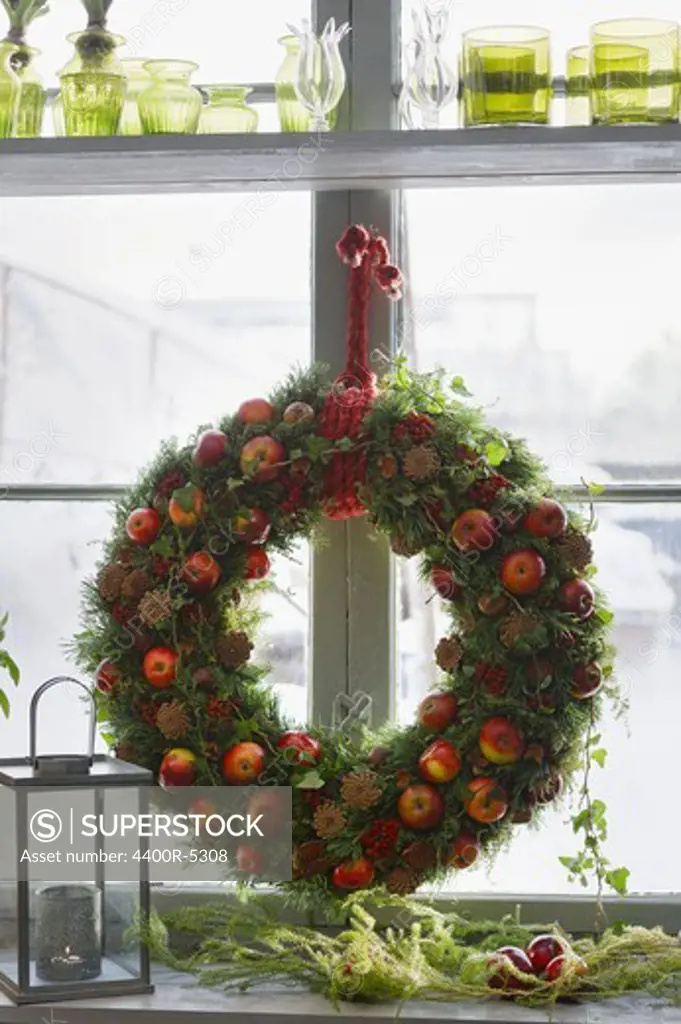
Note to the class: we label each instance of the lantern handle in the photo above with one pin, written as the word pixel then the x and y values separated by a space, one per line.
pixel 35 700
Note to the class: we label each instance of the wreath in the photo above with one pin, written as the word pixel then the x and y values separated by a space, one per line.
pixel 169 618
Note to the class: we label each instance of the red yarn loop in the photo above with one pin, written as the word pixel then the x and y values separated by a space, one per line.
pixel 352 395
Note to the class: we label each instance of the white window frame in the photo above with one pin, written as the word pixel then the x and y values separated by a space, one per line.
pixel 355 175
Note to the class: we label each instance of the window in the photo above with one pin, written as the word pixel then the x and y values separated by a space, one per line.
pixel 139 317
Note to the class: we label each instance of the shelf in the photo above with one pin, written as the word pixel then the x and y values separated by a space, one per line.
pixel 343 160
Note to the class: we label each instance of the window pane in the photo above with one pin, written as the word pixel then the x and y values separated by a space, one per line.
pixel 542 300
pixel 231 42
pixel 638 552
pixel 49 548
pixel 136 319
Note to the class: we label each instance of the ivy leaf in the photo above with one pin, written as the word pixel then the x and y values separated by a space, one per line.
pixel 458 386
pixel 163 547
pixel 184 496
pixel 595 739
pixel 593 488
pixel 605 615
pixel 308 780
pixel 346 444
pixel 317 447
pixel 599 756
pixel 8 663
pixel 407 500
pixel 580 821
pixel 567 862
pixel 617 879
pixel 4 703
pixel 108 738
pixel 233 483
pixel 245 727
pixel 296 453
pixel 496 452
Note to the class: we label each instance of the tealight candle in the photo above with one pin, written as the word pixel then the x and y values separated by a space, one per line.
pixel 506 76
pixel 68 933
pixel 634 71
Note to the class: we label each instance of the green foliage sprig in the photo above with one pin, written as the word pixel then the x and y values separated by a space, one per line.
pixel 9 665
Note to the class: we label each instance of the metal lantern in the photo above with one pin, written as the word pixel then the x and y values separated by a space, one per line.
pixel 75 917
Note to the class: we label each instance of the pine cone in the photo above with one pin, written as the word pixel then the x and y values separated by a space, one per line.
pixel 310 859
pixel 204 678
pixel 421 462
pixel 135 585
pixel 401 881
pixel 518 626
pixel 575 550
pixel 329 820
pixel 110 581
pixel 420 855
pixel 448 653
pixel 234 649
pixel 155 607
pixel 360 790
pixel 126 752
pixel 404 547
pixel 172 720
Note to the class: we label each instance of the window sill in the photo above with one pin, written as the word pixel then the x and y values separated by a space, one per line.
pixel 178 1002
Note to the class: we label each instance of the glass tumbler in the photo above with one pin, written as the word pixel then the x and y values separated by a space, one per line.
pixel 634 71
pixel 506 75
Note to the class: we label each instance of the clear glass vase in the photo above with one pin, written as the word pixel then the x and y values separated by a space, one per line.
pixel 10 88
pixel 32 97
pixel 93 84
pixel 430 83
pixel 138 79
pixel 226 110
pixel 170 105
pixel 320 74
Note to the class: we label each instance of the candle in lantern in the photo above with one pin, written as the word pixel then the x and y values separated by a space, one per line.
pixel 634 71
pixel 506 76
pixel 68 933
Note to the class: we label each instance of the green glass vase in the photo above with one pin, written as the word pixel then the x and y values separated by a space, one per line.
pixel 578 87
pixel 93 84
pixel 32 96
pixel 10 90
pixel 293 117
pixel 226 110
pixel 170 105
pixel 137 80
pixel 635 71
pixel 506 75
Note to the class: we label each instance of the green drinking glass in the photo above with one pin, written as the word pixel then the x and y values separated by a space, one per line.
pixel 10 90
pixel 93 84
pixel 138 79
pixel 578 87
pixel 506 75
pixel 634 71
pixel 32 97
pixel 170 105
pixel 226 110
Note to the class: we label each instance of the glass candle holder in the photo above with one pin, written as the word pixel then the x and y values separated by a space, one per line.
pixel 32 97
pixel 578 87
pixel 634 71
pixel 170 105
pixel 138 79
pixel 506 75
pixel 68 933
pixel 93 84
pixel 226 110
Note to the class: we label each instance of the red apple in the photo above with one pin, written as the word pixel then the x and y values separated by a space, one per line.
pixel 445 583
pixel 107 675
pixel 547 519
pixel 200 572
pixel 250 860
pixel 210 448
pixel 543 949
pixel 178 768
pixel 185 508
pixel 563 964
pixel 577 597
pixel 257 564
pixel 261 458
pixel 523 571
pixel 255 410
pixel 486 801
pixel 464 851
pixel 142 525
pixel 501 741
pixel 353 874
pixel 251 526
pixel 420 807
pixel 308 750
pixel 437 711
pixel 474 530
pixel 159 667
pixel 298 412
pixel 267 800
pixel 502 977
pixel 440 762
pixel 243 763
pixel 587 680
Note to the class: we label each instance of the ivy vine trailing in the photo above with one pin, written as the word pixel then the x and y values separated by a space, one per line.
pixel 8 664
pixel 169 619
